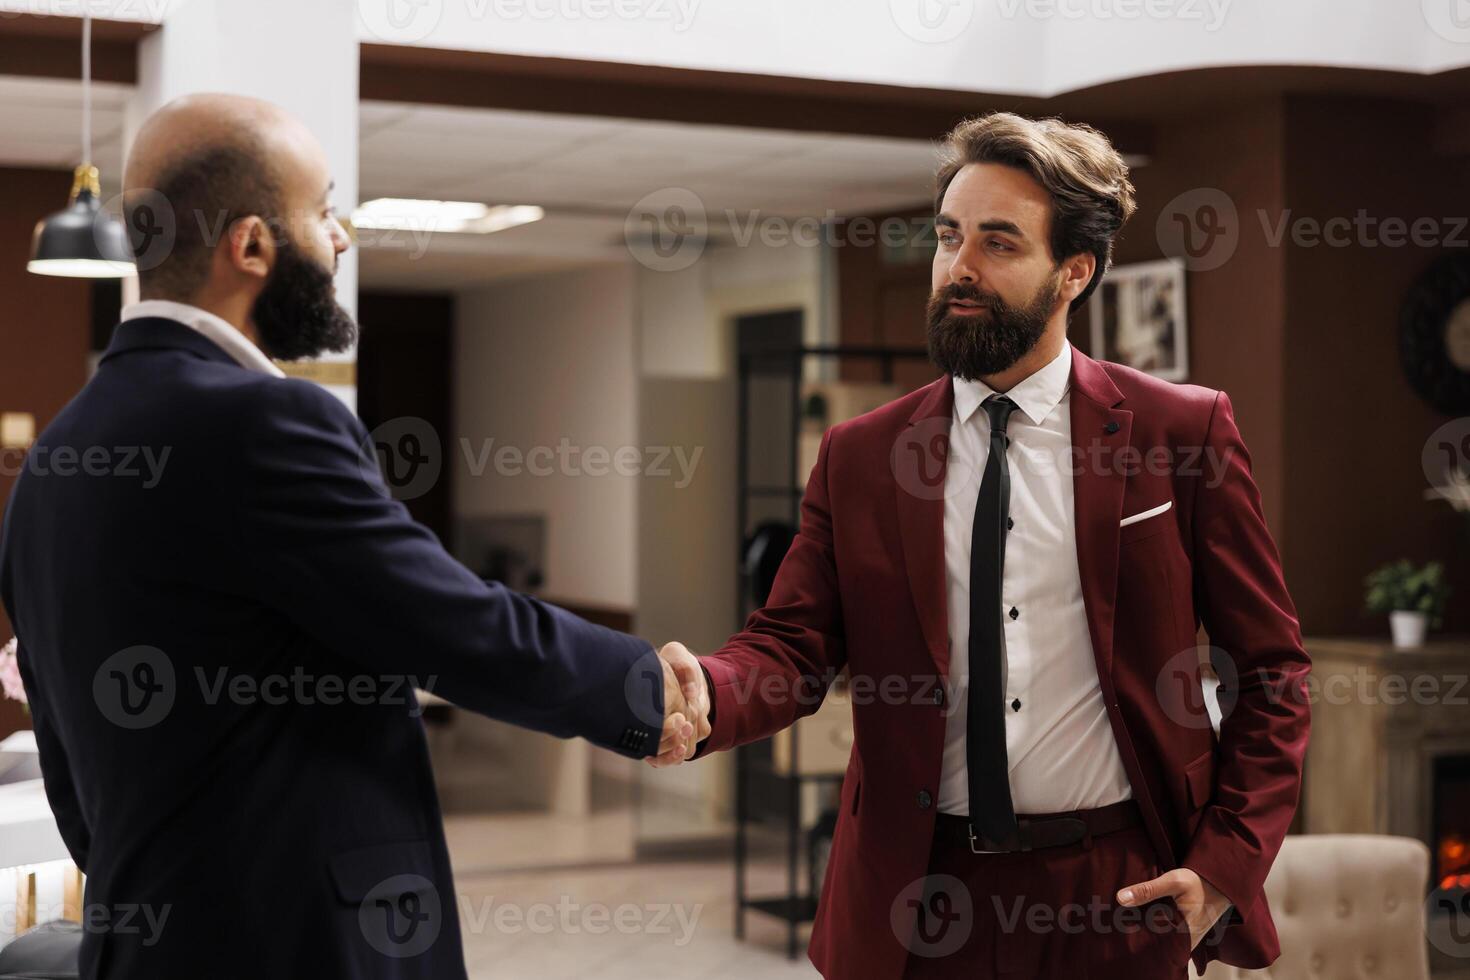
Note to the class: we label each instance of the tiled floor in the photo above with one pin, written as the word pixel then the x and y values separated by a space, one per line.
pixel 546 899
pixel 514 841
pixel 636 922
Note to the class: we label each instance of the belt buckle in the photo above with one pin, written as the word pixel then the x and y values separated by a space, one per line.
pixel 1024 830
pixel 975 840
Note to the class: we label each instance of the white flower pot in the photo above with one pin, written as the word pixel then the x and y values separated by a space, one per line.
pixel 1408 628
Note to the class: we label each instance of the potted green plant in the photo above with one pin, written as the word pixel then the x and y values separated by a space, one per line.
pixel 1414 599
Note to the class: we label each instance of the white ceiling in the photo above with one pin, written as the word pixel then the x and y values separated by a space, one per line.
pixel 400 261
pixel 586 171
pixel 41 124
pixel 589 171
pixel 594 162
pixel 1035 50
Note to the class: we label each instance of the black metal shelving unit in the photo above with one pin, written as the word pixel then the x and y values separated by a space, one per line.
pixel 753 762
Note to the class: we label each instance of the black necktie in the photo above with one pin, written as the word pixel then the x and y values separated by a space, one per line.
pixel 991 812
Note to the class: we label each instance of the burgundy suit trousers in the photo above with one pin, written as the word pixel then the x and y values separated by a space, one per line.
pixel 1042 914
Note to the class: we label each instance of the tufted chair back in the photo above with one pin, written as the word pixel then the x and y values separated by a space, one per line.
pixel 1345 905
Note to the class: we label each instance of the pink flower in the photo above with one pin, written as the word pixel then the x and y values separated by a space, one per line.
pixel 10 673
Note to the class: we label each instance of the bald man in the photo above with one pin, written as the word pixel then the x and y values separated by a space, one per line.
pixel 223 615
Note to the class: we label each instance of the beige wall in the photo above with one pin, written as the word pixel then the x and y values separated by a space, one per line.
pixel 624 356
pixel 541 360
pixel 687 541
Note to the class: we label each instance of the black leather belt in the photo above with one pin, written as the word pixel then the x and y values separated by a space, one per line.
pixel 1035 831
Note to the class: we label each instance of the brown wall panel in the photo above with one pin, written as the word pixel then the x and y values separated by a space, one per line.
pixel 1355 429
pixel 1236 311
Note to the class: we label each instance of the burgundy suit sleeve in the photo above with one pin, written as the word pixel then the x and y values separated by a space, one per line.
pixel 1242 600
pixel 779 667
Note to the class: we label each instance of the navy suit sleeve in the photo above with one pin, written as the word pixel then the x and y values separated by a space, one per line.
pixel 326 545
pixel 61 792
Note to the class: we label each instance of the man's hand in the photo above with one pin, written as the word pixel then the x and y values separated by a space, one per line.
pixel 1200 902
pixel 686 706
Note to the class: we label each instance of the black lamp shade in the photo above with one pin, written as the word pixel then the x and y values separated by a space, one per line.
pixel 82 241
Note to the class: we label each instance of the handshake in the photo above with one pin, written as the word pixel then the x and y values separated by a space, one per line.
pixel 686 706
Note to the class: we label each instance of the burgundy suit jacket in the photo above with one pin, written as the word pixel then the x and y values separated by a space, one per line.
pixel 863 587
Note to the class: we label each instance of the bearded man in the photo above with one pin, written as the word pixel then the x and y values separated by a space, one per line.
pixel 1012 564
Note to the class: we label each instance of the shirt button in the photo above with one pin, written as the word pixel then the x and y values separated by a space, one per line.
pixel 1015 612
pixel 1010 523
pixel 925 800
pixel 1016 705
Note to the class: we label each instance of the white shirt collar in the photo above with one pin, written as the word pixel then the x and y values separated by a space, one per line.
pixel 225 336
pixel 1035 395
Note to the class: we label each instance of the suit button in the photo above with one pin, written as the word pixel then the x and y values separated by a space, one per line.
pixel 925 800
pixel 1015 612
pixel 939 695
pixel 1010 523
pixel 1110 428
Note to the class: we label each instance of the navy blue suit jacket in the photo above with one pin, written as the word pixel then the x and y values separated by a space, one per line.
pixel 222 615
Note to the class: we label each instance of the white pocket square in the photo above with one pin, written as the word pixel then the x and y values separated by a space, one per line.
pixel 1144 515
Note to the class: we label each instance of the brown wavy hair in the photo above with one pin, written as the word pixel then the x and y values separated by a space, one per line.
pixel 1086 177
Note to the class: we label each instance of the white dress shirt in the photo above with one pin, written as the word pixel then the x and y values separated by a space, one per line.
pixel 220 331
pixel 1059 745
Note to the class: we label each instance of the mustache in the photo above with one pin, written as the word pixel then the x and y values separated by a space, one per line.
pixel 963 290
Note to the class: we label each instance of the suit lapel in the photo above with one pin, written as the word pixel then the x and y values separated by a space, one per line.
pixel 1097 490
pixel 918 463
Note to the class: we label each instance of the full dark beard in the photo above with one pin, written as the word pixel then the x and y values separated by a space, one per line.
pixel 992 340
pixel 297 314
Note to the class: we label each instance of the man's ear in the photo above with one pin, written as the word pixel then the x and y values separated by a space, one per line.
pixel 250 247
pixel 1076 274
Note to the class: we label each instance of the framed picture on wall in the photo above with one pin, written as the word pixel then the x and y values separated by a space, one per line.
pixel 1138 319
